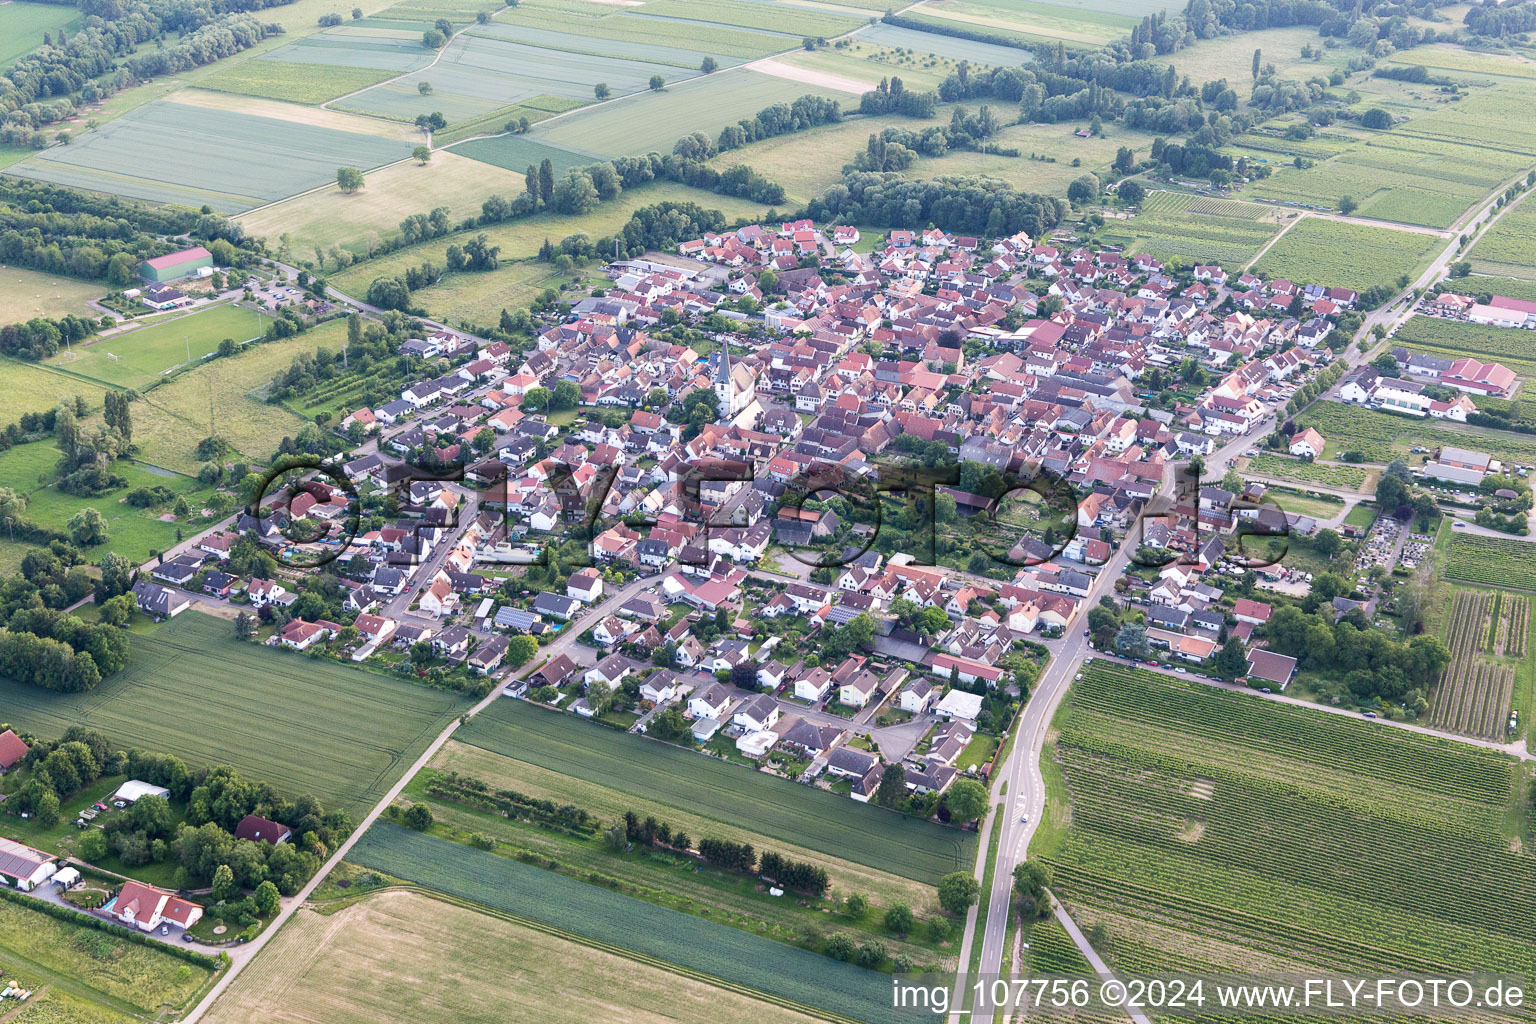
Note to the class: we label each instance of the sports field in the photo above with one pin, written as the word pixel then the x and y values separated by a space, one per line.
pixel 1211 830
pixel 306 726
pixel 605 916
pixel 172 152
pixel 724 792
pixel 139 357
pixel 402 957
pixel 25 294
pixel 1335 253
pixel 22 26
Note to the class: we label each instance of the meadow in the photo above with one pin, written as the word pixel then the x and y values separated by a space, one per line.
pixel 346 46
pixel 25 294
pixel 1338 254
pixel 36 387
pixel 1491 561
pixel 329 217
pixel 1231 57
pixel 1193 229
pixel 109 976
pixel 1250 835
pixel 226 397
pixel 191 689
pixel 402 957
pixel 765 16
pixel 597 913
pixel 172 152
pixel 607 802
pixel 1456 58
pixel 22 26
pixel 725 792
pixel 134 532
pixel 1381 437
pixel 137 358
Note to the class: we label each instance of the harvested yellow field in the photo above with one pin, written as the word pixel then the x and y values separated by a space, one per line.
pixel 402 958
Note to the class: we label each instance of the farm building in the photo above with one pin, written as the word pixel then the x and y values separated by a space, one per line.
pixel 23 866
pixel 134 790
pixel 147 908
pixel 12 750
pixel 174 266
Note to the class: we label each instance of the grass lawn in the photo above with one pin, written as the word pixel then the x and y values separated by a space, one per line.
pixel 304 725
pixel 1361 516
pixel 402 957
pixel 25 294
pixel 978 752
pixel 139 357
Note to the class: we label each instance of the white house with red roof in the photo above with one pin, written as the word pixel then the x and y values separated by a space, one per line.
pixel 147 908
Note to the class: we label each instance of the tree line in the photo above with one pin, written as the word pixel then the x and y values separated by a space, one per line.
pixel 968 205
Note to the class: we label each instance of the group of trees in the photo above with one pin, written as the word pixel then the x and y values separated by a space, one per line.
pixel 1370 662
pixel 961 204
pixel 39 642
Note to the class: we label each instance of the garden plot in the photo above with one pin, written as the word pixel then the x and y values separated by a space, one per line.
pixel 171 152
pixel 481 73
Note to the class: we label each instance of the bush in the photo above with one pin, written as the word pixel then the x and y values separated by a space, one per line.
pixel 841 947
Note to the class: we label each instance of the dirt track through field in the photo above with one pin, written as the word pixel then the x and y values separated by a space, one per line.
pixel 824 79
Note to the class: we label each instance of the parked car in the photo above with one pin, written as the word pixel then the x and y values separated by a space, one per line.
pixel 1370 714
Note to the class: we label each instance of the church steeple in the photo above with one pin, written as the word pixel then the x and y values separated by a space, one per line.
pixel 725 384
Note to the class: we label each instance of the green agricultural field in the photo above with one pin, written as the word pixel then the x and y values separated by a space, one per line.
pixel 191 689
pixel 1193 229
pixel 605 23
pixel 134 532
pixel 535 109
pixel 1284 468
pixel 484 71
pixel 22 26
pixel 98 976
pixel 516 152
pixel 730 793
pixel 951 47
pixel 1214 831
pixel 881 886
pixel 652 122
pixel 357 49
pixel 293 82
pixel 1428 171
pixel 1482 284
pixel 171 152
pixel 1512 240
pixel 766 16
pixel 1032 21
pixel 865 63
pixel 226 397
pixel 1452 339
pixel 605 916
pixel 25 294
pixel 1381 437
pixel 140 357
pixel 1492 561
pixel 1455 58
pixel 1334 253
